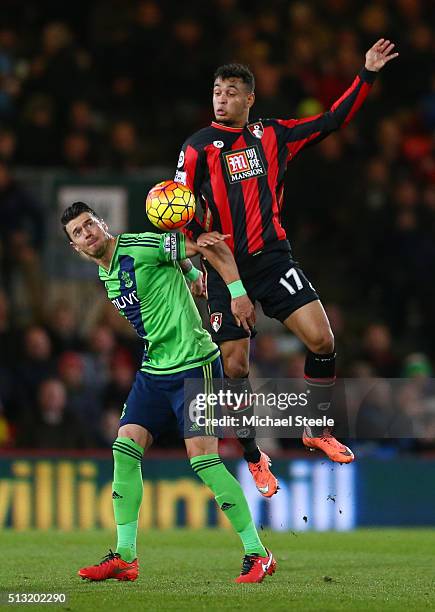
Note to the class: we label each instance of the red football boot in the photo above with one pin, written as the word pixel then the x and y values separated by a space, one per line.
pixel 265 481
pixel 255 568
pixel 335 450
pixel 112 566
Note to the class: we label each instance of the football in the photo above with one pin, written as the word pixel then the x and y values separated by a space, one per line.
pixel 170 205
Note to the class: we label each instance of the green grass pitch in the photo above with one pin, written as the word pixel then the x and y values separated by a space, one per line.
pixel 193 570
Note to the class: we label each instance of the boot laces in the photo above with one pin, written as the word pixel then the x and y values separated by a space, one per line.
pixel 109 557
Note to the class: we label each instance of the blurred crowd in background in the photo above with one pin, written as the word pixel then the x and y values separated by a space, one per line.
pixel 118 85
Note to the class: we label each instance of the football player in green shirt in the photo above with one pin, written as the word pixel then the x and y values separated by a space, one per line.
pixel 144 281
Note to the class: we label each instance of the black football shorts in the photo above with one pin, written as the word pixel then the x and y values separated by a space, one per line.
pixel 273 279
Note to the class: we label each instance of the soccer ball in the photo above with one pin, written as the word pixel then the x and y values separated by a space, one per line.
pixel 170 205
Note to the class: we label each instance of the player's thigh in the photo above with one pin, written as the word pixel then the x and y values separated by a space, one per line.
pixel 310 324
pixel 222 323
pixel 146 407
pixel 283 288
pixel 194 400
pixel 201 445
pixel 235 357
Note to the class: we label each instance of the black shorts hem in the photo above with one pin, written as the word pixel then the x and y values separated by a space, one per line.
pixel 284 314
pixel 232 335
pixel 198 434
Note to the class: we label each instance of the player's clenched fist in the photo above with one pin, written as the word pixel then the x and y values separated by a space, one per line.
pixel 244 312
pixel 197 287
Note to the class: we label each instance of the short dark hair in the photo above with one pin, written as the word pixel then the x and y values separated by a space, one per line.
pixel 236 71
pixel 73 211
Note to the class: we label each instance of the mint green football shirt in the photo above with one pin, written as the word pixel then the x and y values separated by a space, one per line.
pixel 146 285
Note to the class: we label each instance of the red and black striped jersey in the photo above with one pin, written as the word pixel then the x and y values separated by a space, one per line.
pixel 238 173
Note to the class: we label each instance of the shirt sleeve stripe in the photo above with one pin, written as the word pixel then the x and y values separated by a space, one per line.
pixel 138 242
pixel 126 240
pixel 149 238
pixel 144 244
pixel 142 240
pixel 181 246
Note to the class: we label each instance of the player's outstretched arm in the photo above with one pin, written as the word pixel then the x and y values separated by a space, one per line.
pixel 299 133
pixel 219 255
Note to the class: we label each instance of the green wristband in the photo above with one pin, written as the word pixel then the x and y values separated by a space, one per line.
pixel 236 289
pixel 193 274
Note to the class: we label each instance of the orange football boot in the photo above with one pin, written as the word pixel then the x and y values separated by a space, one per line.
pixel 255 568
pixel 265 481
pixel 112 566
pixel 335 450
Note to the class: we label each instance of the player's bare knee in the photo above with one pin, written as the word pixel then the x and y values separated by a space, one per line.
pixel 236 366
pixel 202 445
pixel 138 434
pixel 235 357
pixel 322 343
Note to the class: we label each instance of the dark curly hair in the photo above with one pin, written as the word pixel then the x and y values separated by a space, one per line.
pixel 236 71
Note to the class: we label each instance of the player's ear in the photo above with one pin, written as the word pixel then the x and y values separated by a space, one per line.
pixel 75 247
pixel 251 99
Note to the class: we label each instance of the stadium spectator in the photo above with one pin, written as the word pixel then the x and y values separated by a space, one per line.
pixel 38 140
pixel 123 372
pixel 9 342
pixel 63 328
pixel 37 363
pixel 76 152
pixel 101 350
pixel 51 425
pixel 61 68
pixel 378 350
pixel 108 428
pixel 21 237
pixel 8 143
pixel 8 333
pixel 9 84
pixel 125 152
pixel 6 430
pixel 82 399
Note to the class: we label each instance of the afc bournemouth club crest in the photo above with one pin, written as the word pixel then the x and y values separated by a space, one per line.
pixel 216 321
pixel 256 129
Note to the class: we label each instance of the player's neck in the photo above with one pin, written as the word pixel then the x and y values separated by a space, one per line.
pixel 106 259
pixel 236 123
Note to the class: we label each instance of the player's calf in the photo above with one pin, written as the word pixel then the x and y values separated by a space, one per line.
pixel 258 462
pixel 230 499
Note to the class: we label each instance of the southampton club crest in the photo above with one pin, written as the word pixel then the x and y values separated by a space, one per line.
pixel 125 276
pixel 256 129
pixel 216 321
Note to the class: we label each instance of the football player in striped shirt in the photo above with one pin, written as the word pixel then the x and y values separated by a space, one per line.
pixel 236 168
